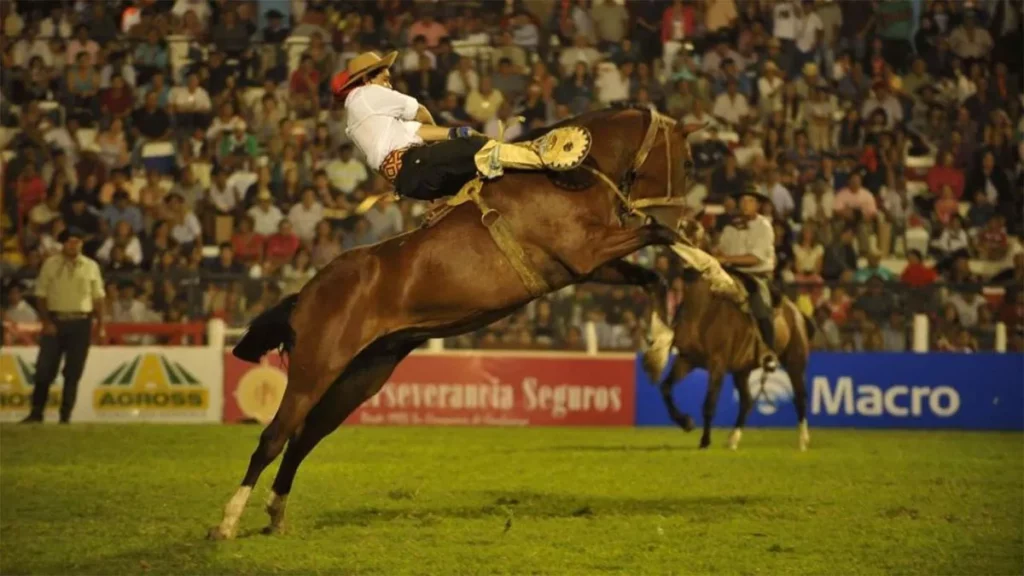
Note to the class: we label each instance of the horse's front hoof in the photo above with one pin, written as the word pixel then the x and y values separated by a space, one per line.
pixel 705 443
pixel 688 423
pixel 219 533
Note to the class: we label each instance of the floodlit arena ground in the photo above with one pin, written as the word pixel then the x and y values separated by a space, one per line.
pixel 139 499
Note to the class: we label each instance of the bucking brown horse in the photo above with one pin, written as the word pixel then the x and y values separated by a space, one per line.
pixel 363 313
pixel 714 332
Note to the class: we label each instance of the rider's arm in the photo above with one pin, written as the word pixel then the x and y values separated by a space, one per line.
pixel 423 116
pixel 431 133
pixel 764 247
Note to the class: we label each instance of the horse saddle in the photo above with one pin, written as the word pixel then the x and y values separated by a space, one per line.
pixel 559 150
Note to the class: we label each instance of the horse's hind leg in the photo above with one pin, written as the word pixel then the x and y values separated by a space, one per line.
pixel 679 371
pixel 361 381
pixel 290 415
pixel 799 379
pixel 740 380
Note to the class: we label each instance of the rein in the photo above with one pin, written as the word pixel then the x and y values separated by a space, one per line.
pixel 659 124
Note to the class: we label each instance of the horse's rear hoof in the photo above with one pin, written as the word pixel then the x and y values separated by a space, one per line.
pixel 273 530
pixel 704 444
pixel 688 424
pixel 216 533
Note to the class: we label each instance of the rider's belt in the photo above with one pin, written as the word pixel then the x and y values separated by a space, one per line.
pixel 392 164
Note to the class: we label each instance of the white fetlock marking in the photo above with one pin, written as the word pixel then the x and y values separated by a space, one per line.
pixel 805 436
pixel 233 510
pixel 275 508
pixel 734 438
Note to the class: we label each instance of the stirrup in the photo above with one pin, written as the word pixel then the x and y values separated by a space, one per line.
pixel 769 363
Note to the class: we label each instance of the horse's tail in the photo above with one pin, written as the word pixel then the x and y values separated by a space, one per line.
pixel 271 329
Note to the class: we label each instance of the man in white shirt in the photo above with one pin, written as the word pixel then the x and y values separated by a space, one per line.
pixel 265 215
pixel 398 137
pixel 731 106
pixel 305 215
pixel 464 79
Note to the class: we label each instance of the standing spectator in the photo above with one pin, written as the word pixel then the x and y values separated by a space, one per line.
pixel 678 23
pixel 611 21
pixel 431 30
pixel 69 292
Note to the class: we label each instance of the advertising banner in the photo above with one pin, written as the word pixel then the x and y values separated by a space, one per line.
pixel 135 384
pixel 450 389
pixel 866 390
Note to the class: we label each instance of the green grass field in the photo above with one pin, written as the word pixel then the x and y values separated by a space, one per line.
pixel 139 499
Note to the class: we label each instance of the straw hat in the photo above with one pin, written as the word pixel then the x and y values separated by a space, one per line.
pixel 359 67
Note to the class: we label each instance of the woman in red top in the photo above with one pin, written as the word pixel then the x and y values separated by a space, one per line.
pixel 31 190
pixel 247 244
pixel 677 22
pixel 118 99
pixel 945 173
pixel 281 247
pixel 917 274
pixel 305 85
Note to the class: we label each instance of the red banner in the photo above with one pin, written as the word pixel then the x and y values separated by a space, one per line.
pixel 474 390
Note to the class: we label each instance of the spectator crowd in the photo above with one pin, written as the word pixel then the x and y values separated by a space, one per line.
pixel 197 142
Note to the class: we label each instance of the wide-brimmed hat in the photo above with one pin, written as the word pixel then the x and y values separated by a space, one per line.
pixel 752 190
pixel 359 67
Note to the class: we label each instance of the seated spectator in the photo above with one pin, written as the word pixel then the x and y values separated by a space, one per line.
pixel 325 245
pixel 265 215
pixel 121 209
pixel 731 106
pixel 960 270
pixel 726 179
pixel 946 206
pixel 855 204
pixel 125 239
pixel 118 100
pixel 246 244
pixel 808 254
pixel 781 197
pixel 226 263
pixel 306 215
pixel 191 104
pixel 840 255
pixel 580 52
pixel 992 242
pixel 952 240
pixel 509 81
pixel 874 269
pixel 282 245
pixel 945 173
pixel 577 91
pixel 895 332
pixel 991 182
pixel 817 206
pixel 16 308
pixel 296 273
pixel 1013 276
pixel 185 228
pixel 222 123
pixel 917 274
pixel 238 141
pixel 346 172
pixel 483 104
pixel 114 146
pixel 464 79
pixel 876 302
pixel 827 336
pixel 613 81
pixel 967 302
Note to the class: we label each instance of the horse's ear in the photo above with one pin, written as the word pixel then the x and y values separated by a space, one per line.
pixel 687 129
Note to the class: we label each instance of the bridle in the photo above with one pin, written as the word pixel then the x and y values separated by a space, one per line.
pixel 660 124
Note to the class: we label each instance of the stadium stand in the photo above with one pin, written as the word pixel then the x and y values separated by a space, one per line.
pixel 195 141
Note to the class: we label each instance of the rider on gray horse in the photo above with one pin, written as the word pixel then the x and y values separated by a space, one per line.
pixel 748 245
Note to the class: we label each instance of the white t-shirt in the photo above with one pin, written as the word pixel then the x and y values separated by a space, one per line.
pixel 185 101
pixel 381 120
pixel 786 20
pixel 346 176
pixel 808 33
pixel 732 110
pixel 265 223
pixel 304 220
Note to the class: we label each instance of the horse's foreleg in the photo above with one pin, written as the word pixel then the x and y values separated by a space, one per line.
pixel 740 380
pixel 797 377
pixel 659 334
pixel 715 377
pixel 360 382
pixel 609 244
pixel 679 371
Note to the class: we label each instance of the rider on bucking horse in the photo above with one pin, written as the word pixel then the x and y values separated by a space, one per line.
pixel 400 140
pixel 748 245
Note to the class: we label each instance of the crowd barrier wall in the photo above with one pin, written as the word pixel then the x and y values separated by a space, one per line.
pixel 207 384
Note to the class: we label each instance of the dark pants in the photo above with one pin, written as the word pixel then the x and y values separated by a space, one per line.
pixel 762 311
pixel 72 342
pixel 438 169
